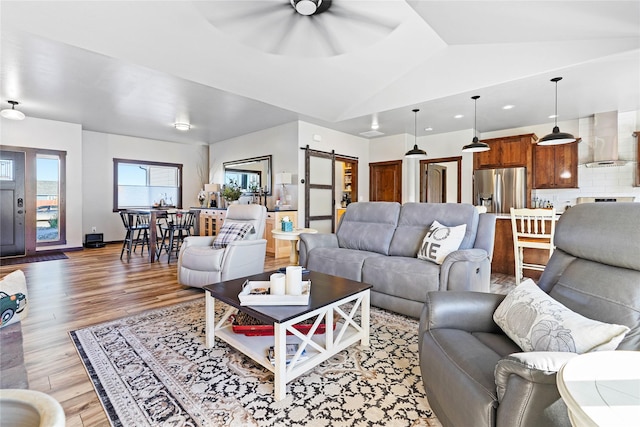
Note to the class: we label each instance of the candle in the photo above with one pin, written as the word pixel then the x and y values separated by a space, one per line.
pixel 278 284
pixel 294 280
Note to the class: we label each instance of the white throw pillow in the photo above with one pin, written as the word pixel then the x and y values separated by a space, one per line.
pixel 537 322
pixel 440 241
pixel 13 293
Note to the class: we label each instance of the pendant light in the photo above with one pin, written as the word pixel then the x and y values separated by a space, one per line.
pixel 476 146
pixel 556 137
pixel 12 113
pixel 415 152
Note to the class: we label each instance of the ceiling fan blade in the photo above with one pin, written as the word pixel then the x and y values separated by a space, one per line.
pixel 223 14
pixel 386 22
pixel 326 37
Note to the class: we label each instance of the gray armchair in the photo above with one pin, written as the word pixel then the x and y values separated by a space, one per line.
pixel 474 375
pixel 200 264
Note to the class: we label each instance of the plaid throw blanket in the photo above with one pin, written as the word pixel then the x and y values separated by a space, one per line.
pixel 230 232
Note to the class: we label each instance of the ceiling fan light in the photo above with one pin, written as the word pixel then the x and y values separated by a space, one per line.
pixel 306 7
pixel 556 138
pixel 12 113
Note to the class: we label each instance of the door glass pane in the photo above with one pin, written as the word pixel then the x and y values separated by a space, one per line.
pixel 322 225
pixel 320 171
pixel 321 202
pixel 47 196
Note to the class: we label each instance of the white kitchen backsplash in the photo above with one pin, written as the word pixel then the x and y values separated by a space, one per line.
pixel 615 181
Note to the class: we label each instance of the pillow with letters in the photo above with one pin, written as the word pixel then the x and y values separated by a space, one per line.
pixel 440 241
pixel 230 232
pixel 537 322
pixel 13 298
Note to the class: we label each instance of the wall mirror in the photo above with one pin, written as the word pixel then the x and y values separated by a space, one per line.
pixel 251 174
pixel 440 180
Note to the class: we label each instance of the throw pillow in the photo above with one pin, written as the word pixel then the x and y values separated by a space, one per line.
pixel 537 322
pixel 440 241
pixel 231 231
pixel 13 298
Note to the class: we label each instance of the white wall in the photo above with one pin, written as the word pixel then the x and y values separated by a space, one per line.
pixel 52 135
pixel 99 150
pixel 279 142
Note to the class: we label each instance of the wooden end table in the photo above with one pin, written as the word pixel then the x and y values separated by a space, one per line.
pixel 328 295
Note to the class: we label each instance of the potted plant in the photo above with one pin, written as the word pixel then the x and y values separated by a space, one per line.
pixel 231 191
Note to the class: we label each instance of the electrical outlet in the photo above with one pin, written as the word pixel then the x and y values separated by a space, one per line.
pixel 94 229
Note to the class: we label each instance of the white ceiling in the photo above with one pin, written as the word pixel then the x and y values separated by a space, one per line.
pixel 235 67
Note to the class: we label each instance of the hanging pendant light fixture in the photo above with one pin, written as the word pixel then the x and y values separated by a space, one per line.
pixel 415 152
pixel 476 146
pixel 556 137
pixel 12 113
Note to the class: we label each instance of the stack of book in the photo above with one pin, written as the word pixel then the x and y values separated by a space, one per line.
pixel 291 350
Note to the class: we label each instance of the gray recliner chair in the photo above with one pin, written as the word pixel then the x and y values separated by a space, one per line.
pixel 474 375
pixel 200 264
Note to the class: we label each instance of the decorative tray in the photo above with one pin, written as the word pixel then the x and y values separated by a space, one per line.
pixel 257 293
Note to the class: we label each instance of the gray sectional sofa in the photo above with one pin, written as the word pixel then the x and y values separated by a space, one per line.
pixel 377 243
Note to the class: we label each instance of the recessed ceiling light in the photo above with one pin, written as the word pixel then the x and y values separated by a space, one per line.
pixel 458 116
pixel 182 126
pixel 508 107
pixel 428 129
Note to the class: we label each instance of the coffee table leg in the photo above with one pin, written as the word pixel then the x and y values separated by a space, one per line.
pixel 365 314
pixel 280 371
pixel 210 327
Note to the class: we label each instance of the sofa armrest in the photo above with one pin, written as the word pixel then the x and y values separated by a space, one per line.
pixel 468 311
pixel 527 390
pixel 310 241
pixel 485 237
pixel 466 270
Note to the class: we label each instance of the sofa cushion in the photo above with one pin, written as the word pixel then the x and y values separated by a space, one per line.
pixel 368 226
pixel 231 232
pixel 536 322
pixel 340 262
pixel 416 219
pixel 440 241
pixel 409 278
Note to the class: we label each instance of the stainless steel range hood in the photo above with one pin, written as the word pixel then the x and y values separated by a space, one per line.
pixel 605 141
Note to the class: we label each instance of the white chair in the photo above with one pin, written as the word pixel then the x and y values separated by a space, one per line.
pixel 200 264
pixel 532 228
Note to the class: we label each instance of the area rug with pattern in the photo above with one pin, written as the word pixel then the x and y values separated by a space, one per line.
pixel 154 369
pixel 48 256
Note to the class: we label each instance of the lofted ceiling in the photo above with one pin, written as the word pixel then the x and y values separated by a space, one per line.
pixel 234 67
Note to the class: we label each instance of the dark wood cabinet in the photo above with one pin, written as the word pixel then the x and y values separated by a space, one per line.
pixel 555 166
pixel 511 151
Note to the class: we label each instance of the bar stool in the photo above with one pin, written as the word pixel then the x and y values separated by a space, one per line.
pixel 532 228
pixel 176 227
pixel 137 232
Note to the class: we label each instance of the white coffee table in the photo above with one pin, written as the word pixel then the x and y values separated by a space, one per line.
pixel 328 295
pixel 293 236
pixel 602 388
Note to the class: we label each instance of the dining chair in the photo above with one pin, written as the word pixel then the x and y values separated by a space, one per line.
pixel 177 226
pixel 532 228
pixel 136 232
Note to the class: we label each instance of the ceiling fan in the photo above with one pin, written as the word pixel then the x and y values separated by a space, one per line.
pixel 305 28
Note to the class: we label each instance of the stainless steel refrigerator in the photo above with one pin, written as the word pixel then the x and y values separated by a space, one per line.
pixel 500 189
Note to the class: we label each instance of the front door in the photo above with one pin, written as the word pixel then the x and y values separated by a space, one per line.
pixel 12 202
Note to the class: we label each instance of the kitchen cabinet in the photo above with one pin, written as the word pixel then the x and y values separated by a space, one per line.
pixel 511 151
pixel 275 247
pixel 210 221
pixel 555 166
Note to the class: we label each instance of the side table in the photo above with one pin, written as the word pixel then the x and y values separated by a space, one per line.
pixel 602 388
pixel 293 236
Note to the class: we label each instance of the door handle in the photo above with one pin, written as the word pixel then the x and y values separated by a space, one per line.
pixel 20 211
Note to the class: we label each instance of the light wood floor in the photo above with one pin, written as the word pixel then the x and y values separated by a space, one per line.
pixel 92 286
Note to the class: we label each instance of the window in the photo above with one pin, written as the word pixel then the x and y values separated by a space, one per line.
pixel 50 218
pixel 140 184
